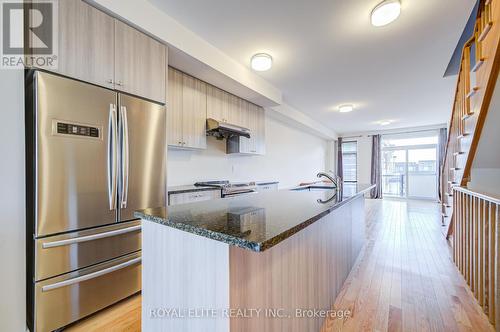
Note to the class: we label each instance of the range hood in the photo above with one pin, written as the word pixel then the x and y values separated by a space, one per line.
pixel 226 130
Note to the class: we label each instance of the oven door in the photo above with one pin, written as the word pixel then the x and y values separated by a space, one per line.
pixel 64 299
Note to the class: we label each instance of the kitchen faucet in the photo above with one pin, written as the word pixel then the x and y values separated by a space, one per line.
pixel 336 180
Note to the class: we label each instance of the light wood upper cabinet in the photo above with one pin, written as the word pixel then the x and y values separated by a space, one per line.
pixel 186 111
pixel 140 63
pixel 245 119
pixel 86 43
pixel 194 113
pixel 192 101
pixel 217 104
pixel 224 107
pixel 235 111
pixel 260 130
pixel 94 47
pixel 255 121
pixel 174 108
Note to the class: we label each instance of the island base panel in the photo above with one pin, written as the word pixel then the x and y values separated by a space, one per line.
pixel 185 271
pixel 182 271
pixel 304 272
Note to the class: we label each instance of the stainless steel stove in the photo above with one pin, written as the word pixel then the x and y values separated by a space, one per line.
pixel 231 189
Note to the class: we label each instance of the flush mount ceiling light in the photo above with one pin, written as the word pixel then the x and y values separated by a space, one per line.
pixel 384 123
pixel 386 12
pixel 346 108
pixel 261 62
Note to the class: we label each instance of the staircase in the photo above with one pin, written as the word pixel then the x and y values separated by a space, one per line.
pixel 477 77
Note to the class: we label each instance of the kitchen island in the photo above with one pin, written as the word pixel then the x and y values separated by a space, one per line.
pixel 267 262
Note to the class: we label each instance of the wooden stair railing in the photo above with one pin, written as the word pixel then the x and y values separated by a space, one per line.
pixel 476 247
pixel 477 76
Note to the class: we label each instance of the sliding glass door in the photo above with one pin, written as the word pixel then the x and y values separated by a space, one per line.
pixel 409 166
pixel 394 172
pixel 422 174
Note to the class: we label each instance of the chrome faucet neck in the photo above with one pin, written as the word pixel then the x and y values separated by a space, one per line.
pixel 336 180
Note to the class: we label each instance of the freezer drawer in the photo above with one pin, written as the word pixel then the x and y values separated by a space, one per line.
pixel 60 254
pixel 62 300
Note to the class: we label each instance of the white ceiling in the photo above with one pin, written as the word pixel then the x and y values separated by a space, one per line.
pixel 326 53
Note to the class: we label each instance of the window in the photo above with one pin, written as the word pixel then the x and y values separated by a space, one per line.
pixel 409 165
pixel 349 161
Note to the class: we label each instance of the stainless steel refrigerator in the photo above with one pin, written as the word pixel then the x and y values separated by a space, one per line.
pixel 93 156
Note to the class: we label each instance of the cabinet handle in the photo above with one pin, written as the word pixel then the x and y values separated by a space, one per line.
pixel 92 237
pixel 180 143
pixel 110 81
pixel 119 83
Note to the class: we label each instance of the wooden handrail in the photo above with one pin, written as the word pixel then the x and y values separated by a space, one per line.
pixel 476 247
pixel 475 85
pixel 479 194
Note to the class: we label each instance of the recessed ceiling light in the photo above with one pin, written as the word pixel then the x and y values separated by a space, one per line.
pixel 386 12
pixel 384 123
pixel 346 108
pixel 261 62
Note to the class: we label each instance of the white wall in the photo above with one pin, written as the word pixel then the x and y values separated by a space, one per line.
pixel 485 180
pixel 485 174
pixel 12 193
pixel 292 156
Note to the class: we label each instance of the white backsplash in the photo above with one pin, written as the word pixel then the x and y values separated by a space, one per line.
pixel 292 156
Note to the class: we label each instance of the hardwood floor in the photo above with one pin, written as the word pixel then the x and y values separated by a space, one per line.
pixel 405 280
pixel 125 316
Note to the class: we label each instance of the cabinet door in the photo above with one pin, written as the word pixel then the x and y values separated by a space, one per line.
pixel 194 113
pixel 260 130
pixel 245 143
pixel 252 125
pixel 174 108
pixel 217 104
pixel 234 115
pixel 140 63
pixel 86 39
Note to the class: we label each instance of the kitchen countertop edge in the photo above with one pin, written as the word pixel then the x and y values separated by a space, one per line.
pixel 243 243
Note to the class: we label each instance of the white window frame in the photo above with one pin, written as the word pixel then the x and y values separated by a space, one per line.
pixel 356 154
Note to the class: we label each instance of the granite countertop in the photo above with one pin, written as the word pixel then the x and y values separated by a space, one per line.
pixel 254 222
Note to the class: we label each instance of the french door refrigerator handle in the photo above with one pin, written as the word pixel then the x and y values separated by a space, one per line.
pixel 92 275
pixel 124 157
pixel 92 237
pixel 112 157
